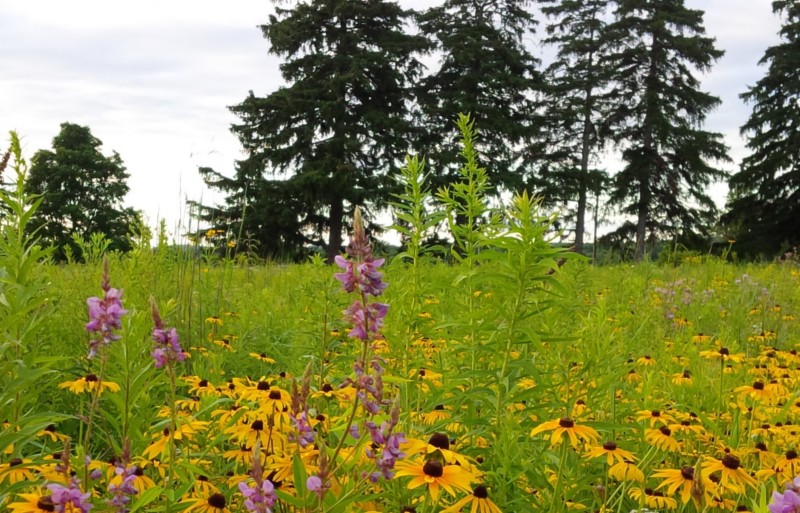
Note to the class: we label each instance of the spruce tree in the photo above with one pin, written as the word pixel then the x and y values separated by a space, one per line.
pixel 659 46
pixel 329 139
pixel 764 201
pixel 485 71
pixel 575 104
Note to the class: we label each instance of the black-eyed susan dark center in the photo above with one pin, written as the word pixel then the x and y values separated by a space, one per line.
pixel 730 461
pixel 433 468
pixel 791 454
pixel 687 473
pixel 216 500
pixel 15 462
pixel 263 386
pixel 440 441
pixel 327 387
pixel 758 385
pixel 46 503
pixel 91 377
pixel 275 395
pixel 566 423
pixel 665 431
pixel 257 425
pixel 610 446
pixel 480 492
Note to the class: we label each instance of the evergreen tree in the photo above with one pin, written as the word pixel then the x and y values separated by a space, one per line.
pixel 339 127
pixel 765 194
pixel 487 72
pixel 659 45
pixel 82 191
pixel 575 104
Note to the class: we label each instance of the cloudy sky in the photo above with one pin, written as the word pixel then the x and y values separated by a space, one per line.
pixel 152 79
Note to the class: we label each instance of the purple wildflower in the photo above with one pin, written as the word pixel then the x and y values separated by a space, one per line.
pixel 63 496
pixel 105 315
pixel 786 502
pixel 314 484
pixel 367 319
pixel 305 435
pixel 167 348
pixel 122 492
pixel 259 499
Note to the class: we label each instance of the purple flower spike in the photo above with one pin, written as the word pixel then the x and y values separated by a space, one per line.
pixel 105 316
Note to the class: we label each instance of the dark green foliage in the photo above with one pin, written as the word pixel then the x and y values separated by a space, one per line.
pixel 659 45
pixel 764 201
pixel 333 135
pixel 486 71
pixel 576 105
pixel 82 192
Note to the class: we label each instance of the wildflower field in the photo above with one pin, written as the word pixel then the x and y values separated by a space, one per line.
pixel 514 377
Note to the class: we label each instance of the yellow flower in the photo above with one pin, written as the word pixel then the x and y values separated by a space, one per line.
pixel 434 475
pixel 213 503
pixel 626 471
pixel 89 383
pixel 262 357
pixel 646 361
pixel 17 470
pixel 757 391
pixel 655 417
pixel 684 479
pixel 724 354
pixel 611 452
pixel 214 320
pixel 732 475
pixel 652 499
pixel 567 426
pixel 38 503
pixel 437 415
pixel 662 438
pixel 478 502
pixel 683 378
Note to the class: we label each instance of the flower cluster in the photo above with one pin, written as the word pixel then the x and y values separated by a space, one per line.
pixel 167 347
pixel 71 495
pixel 789 500
pixel 105 315
pixel 123 491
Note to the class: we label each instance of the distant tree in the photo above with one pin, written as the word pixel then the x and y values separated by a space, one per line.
pixel 659 45
pixel 576 104
pixel 764 202
pixel 331 137
pixel 488 72
pixel 82 191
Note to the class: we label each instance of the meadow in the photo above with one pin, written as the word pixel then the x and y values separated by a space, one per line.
pixel 513 377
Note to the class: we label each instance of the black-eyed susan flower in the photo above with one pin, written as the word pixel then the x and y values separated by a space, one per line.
pixel 262 357
pixel 214 320
pixel 187 430
pixel 16 470
pixel 655 417
pixel 685 482
pixel 566 426
pixel 438 414
pixel 478 502
pixel 723 354
pixel 37 503
pixel 652 499
pixel 89 383
pixel 52 433
pixel 141 482
pixel 757 391
pixel 257 431
pixel 683 378
pixel 213 503
pixel 789 465
pixel 731 474
pixel 646 361
pixel 435 475
pixel 611 452
pixel 626 470
pixel 662 438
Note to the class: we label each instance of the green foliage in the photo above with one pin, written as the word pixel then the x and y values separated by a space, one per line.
pixel 657 119
pixel 487 70
pixel 82 192
pixel 333 134
pixel 577 101
pixel 763 203
pixel 24 307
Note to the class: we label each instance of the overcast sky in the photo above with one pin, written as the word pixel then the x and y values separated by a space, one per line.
pixel 152 79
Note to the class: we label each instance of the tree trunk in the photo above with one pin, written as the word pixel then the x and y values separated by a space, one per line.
pixel 335 224
pixel 580 221
pixel 648 163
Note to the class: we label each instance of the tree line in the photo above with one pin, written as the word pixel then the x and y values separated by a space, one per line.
pixel 624 79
